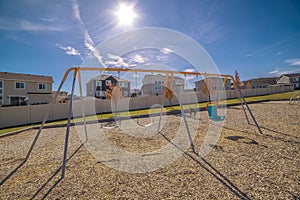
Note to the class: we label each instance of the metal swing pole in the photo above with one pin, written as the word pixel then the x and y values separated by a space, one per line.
pixel 183 115
pixel 82 109
pixel 63 167
pixel 137 121
pixel 45 118
pixel 101 98
pixel 245 102
pixel 242 103
pixel 40 129
pixel 162 105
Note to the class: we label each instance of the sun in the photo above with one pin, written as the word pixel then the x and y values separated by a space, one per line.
pixel 125 14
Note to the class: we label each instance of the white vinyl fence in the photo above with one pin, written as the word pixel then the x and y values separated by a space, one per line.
pixel 21 115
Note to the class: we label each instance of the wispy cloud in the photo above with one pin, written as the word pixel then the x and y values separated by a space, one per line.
pixel 293 67
pixel 162 57
pixel 275 71
pixel 116 61
pixel 289 71
pixel 48 19
pixel 190 70
pixel 136 60
pixel 88 41
pixel 25 25
pixel 271 47
pixel 166 50
pixel 293 62
pixel 286 70
pixel 209 32
pixel 70 50
pixel 76 11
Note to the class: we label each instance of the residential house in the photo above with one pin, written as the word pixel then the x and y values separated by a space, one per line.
pixel 23 89
pixel 213 83
pixel 290 79
pixel 97 86
pixel 260 82
pixel 136 92
pixel 62 97
pixel 153 84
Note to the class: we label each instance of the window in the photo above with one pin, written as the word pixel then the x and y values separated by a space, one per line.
pixel 18 100
pixel 125 93
pixel 100 93
pixel 1 101
pixel 108 82
pixel 296 79
pixel 178 82
pixel 42 86
pixel 97 93
pixel 123 84
pixel 20 85
pixel 98 83
pixel 0 84
pixel 158 88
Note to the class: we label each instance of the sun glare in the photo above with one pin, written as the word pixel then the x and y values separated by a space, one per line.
pixel 126 14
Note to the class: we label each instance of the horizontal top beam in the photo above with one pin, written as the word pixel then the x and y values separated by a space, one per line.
pixel 145 70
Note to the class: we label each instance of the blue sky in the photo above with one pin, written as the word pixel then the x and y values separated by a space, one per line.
pixel 258 38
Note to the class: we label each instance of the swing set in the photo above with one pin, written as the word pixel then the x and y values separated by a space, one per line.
pixel 212 111
pixel 170 85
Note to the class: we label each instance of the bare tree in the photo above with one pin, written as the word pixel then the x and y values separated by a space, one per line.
pixel 206 89
pixel 169 94
pixel 237 80
pixel 114 94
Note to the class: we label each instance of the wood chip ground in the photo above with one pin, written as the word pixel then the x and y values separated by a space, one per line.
pixel 242 165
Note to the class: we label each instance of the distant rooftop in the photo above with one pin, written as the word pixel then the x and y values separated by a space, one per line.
pixel 263 78
pixel 292 75
pixel 25 77
pixel 105 76
pixel 151 77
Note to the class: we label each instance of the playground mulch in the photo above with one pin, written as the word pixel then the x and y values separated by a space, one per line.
pixel 243 164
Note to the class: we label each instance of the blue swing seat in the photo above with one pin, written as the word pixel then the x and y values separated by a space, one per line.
pixel 213 113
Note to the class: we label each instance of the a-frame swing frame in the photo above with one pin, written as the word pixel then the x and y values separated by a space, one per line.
pixel 167 72
pixel 77 76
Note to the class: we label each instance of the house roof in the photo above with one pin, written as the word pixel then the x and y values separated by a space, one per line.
pixel 106 76
pixel 25 77
pixel 212 78
pixel 291 75
pixel 263 78
pixel 151 77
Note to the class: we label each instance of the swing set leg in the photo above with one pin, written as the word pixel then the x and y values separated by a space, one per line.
pixel 250 112
pixel 63 167
pixel 243 106
pixel 184 118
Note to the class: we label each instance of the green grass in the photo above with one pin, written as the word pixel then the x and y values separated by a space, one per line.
pixel 281 96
